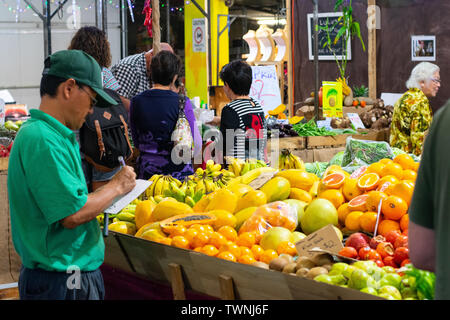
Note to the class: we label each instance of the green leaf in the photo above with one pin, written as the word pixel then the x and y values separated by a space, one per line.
pixel 340 33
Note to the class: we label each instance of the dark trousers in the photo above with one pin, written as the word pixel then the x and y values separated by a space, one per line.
pixel 39 284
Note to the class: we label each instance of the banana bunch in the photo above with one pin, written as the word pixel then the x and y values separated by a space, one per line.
pixel 160 183
pixel 126 214
pixel 345 88
pixel 289 161
pixel 240 167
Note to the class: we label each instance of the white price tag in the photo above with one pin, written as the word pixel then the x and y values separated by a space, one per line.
pixel 356 120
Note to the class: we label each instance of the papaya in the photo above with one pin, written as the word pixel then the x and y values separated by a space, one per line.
pixel 123 227
pixel 187 220
pixel 277 188
pixel 148 226
pixel 200 205
pixel 223 199
pixel 253 198
pixel 143 212
pixel 168 208
pixel 299 178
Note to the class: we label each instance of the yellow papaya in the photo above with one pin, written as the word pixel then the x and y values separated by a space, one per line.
pixel 143 212
pixel 222 199
pixel 277 188
pixel 168 208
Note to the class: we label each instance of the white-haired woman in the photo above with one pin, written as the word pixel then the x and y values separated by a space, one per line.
pixel 412 112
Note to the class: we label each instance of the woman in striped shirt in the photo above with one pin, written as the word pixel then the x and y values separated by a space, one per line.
pixel 242 125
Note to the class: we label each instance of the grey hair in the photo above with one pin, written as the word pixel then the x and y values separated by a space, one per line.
pixel 421 72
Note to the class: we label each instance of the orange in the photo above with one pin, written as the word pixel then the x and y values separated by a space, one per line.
pixel 404 190
pixel 217 240
pixel 208 229
pixel 257 251
pixel 394 208
pixel 405 161
pixel 167 241
pixel 350 189
pixel 343 211
pixel 352 222
pixel 180 242
pixel 244 251
pixel 200 240
pixel 246 259
pixel 228 232
pixel 334 196
pixel 409 175
pixel 367 221
pixel 385 161
pixel 358 203
pixel 334 180
pixel 415 166
pixel 231 247
pixel 388 188
pixel 368 181
pixel 199 227
pixel 226 256
pixel 210 250
pixel 358 172
pixel 387 225
pixel 199 249
pixel 373 200
pixel 375 167
pixel 190 234
pixel 404 221
pixel 393 169
pixel 389 178
pixel 268 255
pixel 287 247
pixel 177 230
pixel 246 239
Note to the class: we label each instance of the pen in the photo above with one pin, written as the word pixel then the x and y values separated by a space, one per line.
pixel 106 217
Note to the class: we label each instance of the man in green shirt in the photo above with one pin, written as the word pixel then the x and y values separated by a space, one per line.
pixel 429 213
pixel 53 218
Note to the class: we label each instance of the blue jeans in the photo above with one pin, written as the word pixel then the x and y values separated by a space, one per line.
pixel 39 284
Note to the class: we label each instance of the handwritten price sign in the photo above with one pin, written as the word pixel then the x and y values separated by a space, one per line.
pixel 265 87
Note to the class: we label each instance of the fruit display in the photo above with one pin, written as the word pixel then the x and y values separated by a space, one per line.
pixel 261 226
pixel 289 161
pixel 240 167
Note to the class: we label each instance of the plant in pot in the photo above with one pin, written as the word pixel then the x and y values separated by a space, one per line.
pixel 347 28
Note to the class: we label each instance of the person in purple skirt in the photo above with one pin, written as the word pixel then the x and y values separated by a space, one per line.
pixel 153 116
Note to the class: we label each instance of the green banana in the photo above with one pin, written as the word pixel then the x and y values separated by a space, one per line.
pixel 189 201
pixel 177 193
pixel 245 168
pixel 190 191
pixel 125 216
pixel 198 195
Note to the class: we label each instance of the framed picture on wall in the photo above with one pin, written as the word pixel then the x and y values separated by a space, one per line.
pixel 423 48
pixel 324 52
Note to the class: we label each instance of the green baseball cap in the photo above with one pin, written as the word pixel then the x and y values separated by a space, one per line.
pixel 78 65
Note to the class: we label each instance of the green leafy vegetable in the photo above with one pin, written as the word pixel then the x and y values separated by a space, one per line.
pixel 310 128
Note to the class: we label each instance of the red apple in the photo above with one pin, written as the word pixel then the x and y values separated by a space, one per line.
pixel 357 240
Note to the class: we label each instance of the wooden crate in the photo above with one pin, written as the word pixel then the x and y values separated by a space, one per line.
pixel 203 274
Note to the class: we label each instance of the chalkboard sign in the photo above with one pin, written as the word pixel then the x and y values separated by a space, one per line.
pixel 324 52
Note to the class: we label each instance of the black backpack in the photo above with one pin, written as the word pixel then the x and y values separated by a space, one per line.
pixel 104 135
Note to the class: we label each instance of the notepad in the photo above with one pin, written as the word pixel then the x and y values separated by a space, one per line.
pixel 121 202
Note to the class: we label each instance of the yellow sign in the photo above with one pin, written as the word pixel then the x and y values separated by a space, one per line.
pixel 332 99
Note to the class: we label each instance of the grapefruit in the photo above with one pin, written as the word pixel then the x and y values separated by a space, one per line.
pixel 273 237
pixel 318 214
pixel 358 203
pixel 334 180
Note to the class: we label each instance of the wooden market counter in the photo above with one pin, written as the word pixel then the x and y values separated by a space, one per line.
pixel 323 148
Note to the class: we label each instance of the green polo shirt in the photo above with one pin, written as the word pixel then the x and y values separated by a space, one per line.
pixel 46 184
pixel 430 205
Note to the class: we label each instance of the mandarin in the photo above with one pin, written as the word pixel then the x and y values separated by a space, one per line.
pixel 177 230
pixel 226 256
pixel 200 240
pixel 246 239
pixel 190 234
pixel 217 239
pixel 394 208
pixel 404 222
pixel 367 221
pixel 268 255
pixel 228 232
pixel 180 242
pixel 287 247
pixel 231 247
pixel 387 225
pixel 244 251
pixel 352 222
pixel 246 259
pixel 257 251
pixel 210 250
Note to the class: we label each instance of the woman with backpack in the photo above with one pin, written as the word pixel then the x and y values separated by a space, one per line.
pixel 154 115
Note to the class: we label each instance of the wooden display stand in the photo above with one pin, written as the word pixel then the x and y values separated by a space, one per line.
pixel 323 148
pixel 190 270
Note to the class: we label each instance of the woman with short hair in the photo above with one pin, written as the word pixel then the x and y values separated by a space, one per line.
pixel 153 116
pixel 412 112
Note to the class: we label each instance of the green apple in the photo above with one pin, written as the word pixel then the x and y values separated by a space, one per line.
pixel 388 269
pixel 360 279
pixel 338 279
pixel 348 272
pixel 391 279
pixel 386 296
pixel 338 268
pixel 324 278
pixel 369 290
pixel 409 293
pixel 365 265
pixel 297 236
pixel 390 290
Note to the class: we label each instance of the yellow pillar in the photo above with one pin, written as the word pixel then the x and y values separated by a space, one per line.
pixel 196 46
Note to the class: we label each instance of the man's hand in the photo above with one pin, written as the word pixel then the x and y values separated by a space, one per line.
pixel 124 180
pixel 215 121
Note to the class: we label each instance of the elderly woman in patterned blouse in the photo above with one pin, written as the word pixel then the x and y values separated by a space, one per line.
pixel 412 112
